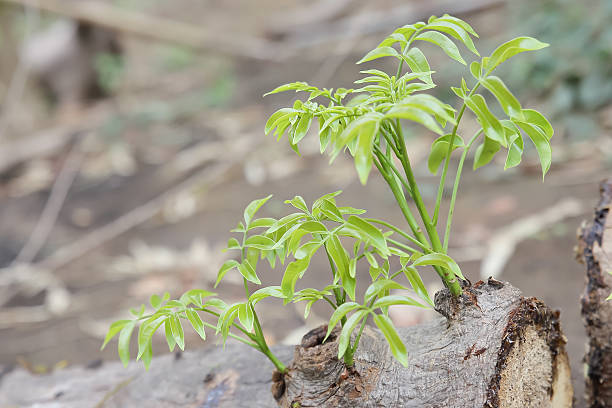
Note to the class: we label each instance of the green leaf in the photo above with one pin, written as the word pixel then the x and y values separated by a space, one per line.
pixel 392 39
pixel 442 260
pixel 155 301
pixel 177 331
pixel 146 331
pixel 379 53
pixel 277 117
pixel 113 330
pixel 327 210
pixel 226 319
pixel 391 300
pixel 350 325
pixel 299 203
pixel 233 243
pixel 245 314
pixel 287 221
pixel 456 31
pixel 370 234
pixel 379 286
pixel 295 270
pixel 124 342
pixel 262 223
pixel 252 208
pixel 536 118
pixel 294 86
pixel 270 291
pixel 431 105
pixel 439 151
pixel 415 115
pixel 485 153
pixel 352 267
pixel 376 72
pixel 248 272
pixel 417 62
pixel 490 124
pixel 260 242
pixel 227 266
pixel 506 99
pixel 511 48
pixel 308 249
pixel 195 296
pixel 443 42
pixel 417 284
pixel 338 314
pixel 301 128
pixel 338 255
pixel 147 356
pixel 363 155
pixel 196 322
pixel 515 144
pixel 395 343
pixel 541 142
pixel 476 69
pixel 169 336
pixel 353 130
pixel 459 22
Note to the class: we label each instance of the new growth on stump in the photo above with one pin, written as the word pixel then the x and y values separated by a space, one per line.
pixel 367 123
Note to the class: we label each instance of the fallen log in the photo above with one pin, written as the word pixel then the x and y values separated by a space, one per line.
pixel 490 348
pixel 595 251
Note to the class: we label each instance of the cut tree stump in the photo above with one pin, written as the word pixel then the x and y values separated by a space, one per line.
pixel 490 348
pixel 595 251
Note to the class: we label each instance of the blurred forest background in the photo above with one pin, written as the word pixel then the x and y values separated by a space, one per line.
pixel 131 138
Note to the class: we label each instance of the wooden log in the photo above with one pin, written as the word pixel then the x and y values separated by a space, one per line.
pixel 491 348
pixel 595 251
pixel 238 377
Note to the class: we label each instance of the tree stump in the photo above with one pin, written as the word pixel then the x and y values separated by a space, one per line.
pixel 490 348
pixel 595 251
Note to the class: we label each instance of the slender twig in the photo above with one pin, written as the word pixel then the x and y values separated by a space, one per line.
pixel 447 159
pixel 451 208
pixel 53 206
pixel 399 231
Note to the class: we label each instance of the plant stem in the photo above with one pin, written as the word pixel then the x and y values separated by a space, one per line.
pixel 382 157
pixel 277 363
pixel 399 231
pixel 406 247
pixel 451 208
pixel 234 336
pixel 401 201
pixel 330 302
pixel 448 155
pixel 449 279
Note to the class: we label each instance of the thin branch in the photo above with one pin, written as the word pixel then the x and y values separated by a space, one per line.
pixel 53 206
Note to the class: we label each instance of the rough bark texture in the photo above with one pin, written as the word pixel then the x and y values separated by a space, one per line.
pixel 595 250
pixel 494 348
pixel 238 377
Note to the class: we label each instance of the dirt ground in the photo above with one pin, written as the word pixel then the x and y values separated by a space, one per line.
pixel 190 130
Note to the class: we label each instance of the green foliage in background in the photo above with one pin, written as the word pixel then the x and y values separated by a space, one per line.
pixel 366 123
pixel 574 77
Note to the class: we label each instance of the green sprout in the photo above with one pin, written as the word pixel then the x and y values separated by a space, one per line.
pixel 366 122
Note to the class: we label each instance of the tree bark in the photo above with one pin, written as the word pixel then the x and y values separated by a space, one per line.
pixel 491 348
pixel 595 251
